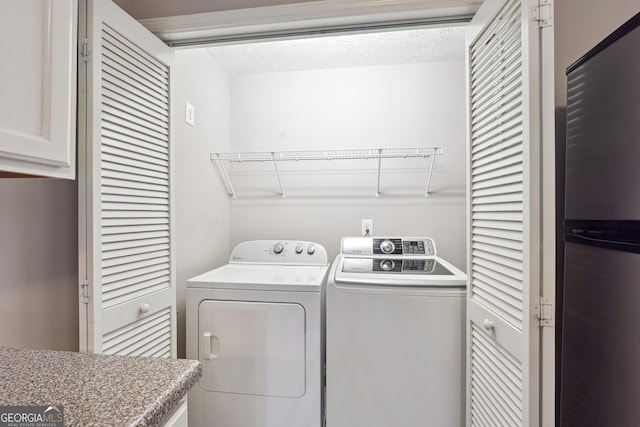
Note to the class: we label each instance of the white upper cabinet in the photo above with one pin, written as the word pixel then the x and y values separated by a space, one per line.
pixel 38 87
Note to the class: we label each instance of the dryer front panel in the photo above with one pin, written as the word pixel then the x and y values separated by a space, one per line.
pixel 252 348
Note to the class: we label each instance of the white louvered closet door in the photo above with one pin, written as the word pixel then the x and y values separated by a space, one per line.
pixel 504 129
pixel 127 303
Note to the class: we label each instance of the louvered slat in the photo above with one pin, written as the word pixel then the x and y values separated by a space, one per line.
pixel 118 240
pixel 497 216
pixel 123 59
pixel 115 143
pixel 514 271
pixel 497 385
pixel 130 124
pixel 154 150
pixel 499 241
pixel 150 242
pixel 131 255
pixel 141 338
pixel 117 272
pixel 134 287
pixel 500 262
pixel 482 49
pixel 506 139
pixel 121 183
pixel 507 283
pixel 123 129
pixel 145 65
pixel 499 161
pixel 497 127
pixel 135 193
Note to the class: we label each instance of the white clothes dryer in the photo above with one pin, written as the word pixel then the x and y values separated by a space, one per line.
pixel 395 335
pixel 255 325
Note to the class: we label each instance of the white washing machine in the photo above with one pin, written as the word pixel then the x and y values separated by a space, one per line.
pixel 395 331
pixel 255 325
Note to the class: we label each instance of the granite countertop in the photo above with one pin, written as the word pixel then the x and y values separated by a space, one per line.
pixel 96 389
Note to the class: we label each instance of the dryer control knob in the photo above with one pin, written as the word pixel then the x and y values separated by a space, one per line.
pixel 311 250
pixel 299 249
pixel 278 248
pixel 387 246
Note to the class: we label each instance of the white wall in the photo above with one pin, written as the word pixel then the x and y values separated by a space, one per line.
pixel 384 106
pixel 38 264
pixel 202 210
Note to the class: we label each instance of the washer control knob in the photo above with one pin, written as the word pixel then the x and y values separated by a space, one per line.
pixel 278 248
pixel 299 249
pixel 311 250
pixel 387 264
pixel 387 247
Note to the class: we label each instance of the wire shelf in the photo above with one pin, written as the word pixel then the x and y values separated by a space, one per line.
pixel 311 155
pixel 349 154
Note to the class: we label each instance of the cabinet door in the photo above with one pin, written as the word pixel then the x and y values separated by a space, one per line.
pixel 38 89
pixel 505 128
pixel 125 187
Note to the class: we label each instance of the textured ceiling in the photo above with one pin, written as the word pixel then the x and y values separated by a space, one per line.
pixel 393 47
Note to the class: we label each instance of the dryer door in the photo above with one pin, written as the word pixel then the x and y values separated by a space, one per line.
pixel 255 348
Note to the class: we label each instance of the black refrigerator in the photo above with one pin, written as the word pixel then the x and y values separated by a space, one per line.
pixel 599 368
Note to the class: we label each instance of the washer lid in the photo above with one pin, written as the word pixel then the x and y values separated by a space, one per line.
pixel 395 271
pixel 262 277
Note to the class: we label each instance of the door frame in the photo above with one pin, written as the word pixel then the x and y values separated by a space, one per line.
pixel 306 19
pixel 311 18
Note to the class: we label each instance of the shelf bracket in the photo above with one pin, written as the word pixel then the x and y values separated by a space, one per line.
pixel 433 160
pixel 378 194
pixel 225 175
pixel 275 165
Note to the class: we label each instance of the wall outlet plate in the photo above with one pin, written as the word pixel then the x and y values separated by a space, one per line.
pixel 367 227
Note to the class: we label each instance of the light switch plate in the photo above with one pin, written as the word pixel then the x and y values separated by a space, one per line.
pixel 189 114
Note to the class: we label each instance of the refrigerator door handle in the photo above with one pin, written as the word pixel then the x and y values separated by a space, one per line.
pixel 605 243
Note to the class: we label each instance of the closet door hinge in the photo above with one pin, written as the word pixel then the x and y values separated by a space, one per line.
pixel 543 13
pixel 85 50
pixel 543 312
pixel 85 292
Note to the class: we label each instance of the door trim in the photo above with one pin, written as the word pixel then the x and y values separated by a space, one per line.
pixel 300 19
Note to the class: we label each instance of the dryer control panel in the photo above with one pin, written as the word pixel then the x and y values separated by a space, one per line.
pixel 402 246
pixel 293 252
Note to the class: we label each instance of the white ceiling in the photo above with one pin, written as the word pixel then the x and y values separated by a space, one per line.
pixel 392 47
